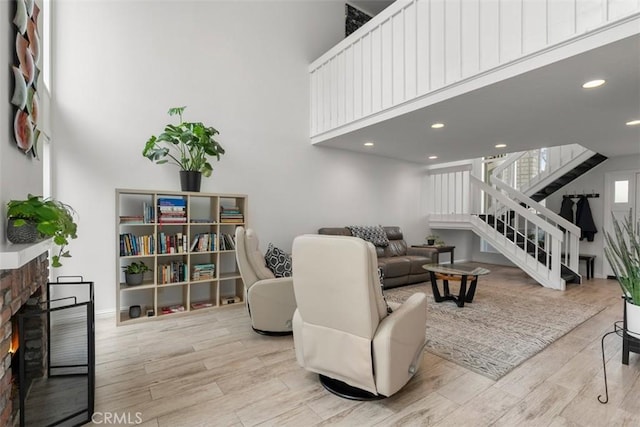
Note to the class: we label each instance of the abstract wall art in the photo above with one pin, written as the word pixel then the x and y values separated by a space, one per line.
pixel 26 69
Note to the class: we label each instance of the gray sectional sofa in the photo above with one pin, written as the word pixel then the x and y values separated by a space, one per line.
pixel 400 264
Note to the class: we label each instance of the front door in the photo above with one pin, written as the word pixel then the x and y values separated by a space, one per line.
pixel 622 193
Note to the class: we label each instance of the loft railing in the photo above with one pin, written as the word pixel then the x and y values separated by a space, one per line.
pixel 414 49
pixel 527 171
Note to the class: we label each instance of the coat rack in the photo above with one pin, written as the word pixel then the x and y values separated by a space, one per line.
pixel 591 195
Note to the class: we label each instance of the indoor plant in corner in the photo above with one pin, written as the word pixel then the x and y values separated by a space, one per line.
pixel 134 273
pixel 189 145
pixel 37 218
pixel 623 253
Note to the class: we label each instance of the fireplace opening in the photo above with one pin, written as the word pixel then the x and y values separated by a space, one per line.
pixel 15 368
pixel 53 360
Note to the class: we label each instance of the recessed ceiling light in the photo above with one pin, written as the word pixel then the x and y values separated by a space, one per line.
pixel 501 145
pixel 433 157
pixel 368 144
pixel 633 123
pixel 593 83
pixel 437 125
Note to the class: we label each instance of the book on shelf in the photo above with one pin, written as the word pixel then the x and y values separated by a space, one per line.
pixel 172 201
pixel 177 308
pixel 130 244
pixel 131 219
pixel 203 221
pixel 197 305
pixel 227 242
pixel 148 212
pixel 173 272
pixel 203 242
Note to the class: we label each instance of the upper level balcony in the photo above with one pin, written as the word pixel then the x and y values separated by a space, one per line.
pixel 384 80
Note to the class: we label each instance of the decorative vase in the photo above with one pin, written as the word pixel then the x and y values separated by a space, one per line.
pixel 135 311
pixel 632 314
pixel 27 233
pixel 431 242
pixel 133 279
pixel 190 180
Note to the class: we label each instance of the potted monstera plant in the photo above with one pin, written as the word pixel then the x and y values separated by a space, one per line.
pixel 623 254
pixel 189 145
pixel 37 218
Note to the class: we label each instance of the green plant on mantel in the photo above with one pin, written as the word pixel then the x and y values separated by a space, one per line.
pixel 51 217
pixel 623 253
pixel 187 145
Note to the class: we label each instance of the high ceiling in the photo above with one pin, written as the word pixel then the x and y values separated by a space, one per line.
pixel 541 108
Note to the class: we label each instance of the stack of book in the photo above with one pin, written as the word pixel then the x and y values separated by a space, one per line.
pixel 172 210
pixel 203 272
pixel 231 215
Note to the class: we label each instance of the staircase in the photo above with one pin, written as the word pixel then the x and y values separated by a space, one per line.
pixel 537 240
pixel 563 180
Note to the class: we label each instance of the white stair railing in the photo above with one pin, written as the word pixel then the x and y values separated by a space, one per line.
pixel 523 237
pixel 526 239
pixel 570 241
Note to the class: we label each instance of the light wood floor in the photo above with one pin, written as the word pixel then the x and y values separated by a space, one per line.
pixel 211 369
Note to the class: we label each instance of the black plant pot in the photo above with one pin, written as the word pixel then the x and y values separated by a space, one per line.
pixel 26 233
pixel 133 279
pixel 190 180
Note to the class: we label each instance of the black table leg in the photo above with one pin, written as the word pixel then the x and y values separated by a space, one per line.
pixel 472 289
pixel 463 292
pixel 434 286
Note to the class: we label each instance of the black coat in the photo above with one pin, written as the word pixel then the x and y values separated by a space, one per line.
pixel 566 210
pixel 584 220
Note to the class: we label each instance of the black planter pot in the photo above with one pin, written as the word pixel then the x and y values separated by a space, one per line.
pixel 26 233
pixel 133 279
pixel 190 180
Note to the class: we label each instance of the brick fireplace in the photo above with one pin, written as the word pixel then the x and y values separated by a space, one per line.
pixel 17 286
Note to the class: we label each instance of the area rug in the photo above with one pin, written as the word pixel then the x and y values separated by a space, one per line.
pixel 498 331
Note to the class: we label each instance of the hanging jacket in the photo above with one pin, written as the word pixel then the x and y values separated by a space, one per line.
pixel 584 220
pixel 566 210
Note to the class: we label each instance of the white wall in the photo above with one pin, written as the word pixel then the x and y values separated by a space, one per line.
pixel 593 181
pixel 238 66
pixel 19 174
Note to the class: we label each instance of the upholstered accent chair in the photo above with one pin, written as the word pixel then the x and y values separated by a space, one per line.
pixel 342 329
pixel 270 300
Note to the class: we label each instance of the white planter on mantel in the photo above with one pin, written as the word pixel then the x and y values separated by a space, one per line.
pixel 633 319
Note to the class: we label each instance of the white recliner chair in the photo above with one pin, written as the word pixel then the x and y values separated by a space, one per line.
pixel 270 300
pixel 342 329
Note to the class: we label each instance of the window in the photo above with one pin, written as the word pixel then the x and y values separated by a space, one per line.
pixel 621 191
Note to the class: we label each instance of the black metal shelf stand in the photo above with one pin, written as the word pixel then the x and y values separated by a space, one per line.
pixel 630 344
